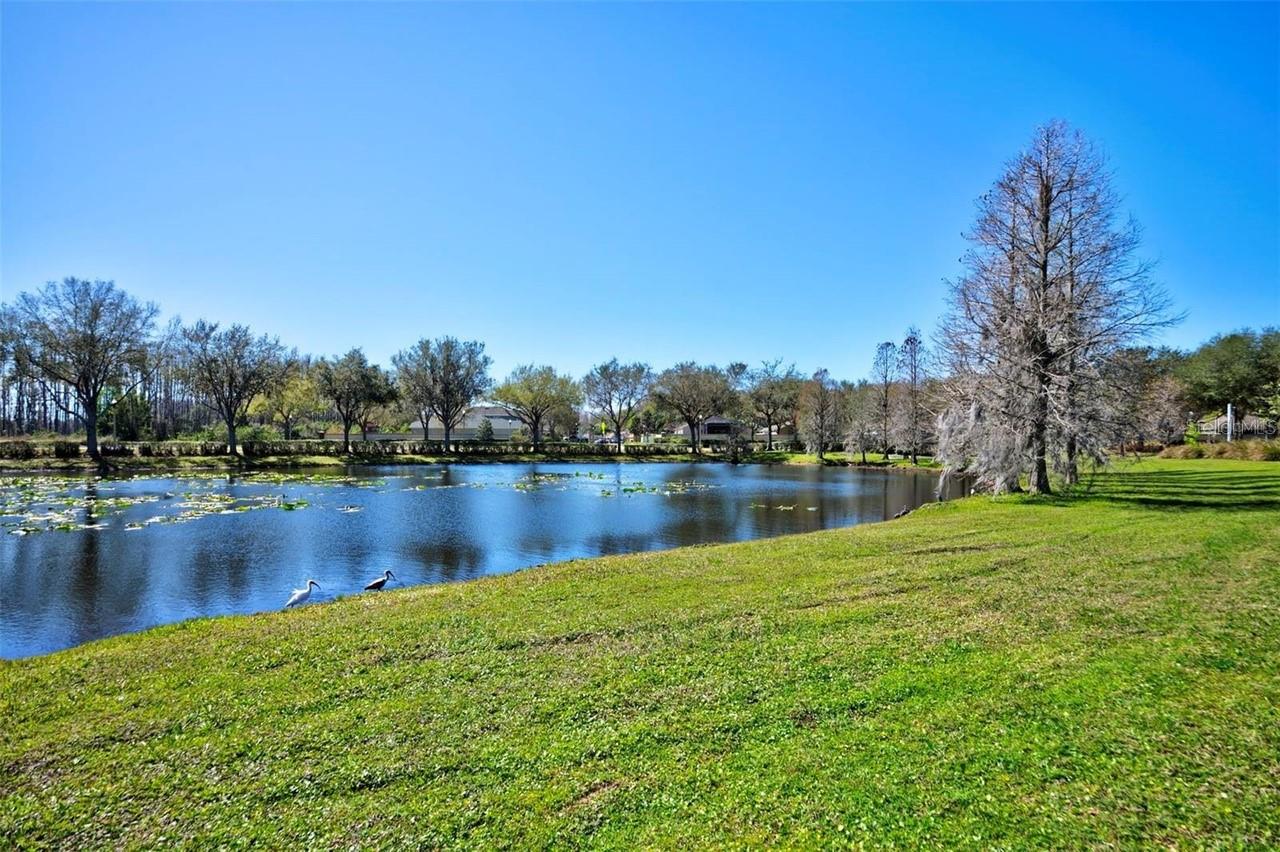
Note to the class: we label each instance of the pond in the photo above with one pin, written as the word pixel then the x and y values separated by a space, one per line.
pixel 86 557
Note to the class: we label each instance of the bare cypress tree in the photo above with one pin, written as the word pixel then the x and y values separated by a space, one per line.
pixel 911 367
pixel 1052 290
pixel 860 416
pixel 884 372
pixel 819 401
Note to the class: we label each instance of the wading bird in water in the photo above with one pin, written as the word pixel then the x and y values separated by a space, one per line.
pixel 380 582
pixel 300 595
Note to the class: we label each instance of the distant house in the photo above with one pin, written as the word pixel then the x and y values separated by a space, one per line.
pixel 1249 426
pixel 504 426
pixel 715 430
pixel 503 422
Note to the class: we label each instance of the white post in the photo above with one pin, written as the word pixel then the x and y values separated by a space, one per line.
pixel 1229 423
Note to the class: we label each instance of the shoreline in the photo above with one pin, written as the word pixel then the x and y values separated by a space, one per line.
pixel 178 464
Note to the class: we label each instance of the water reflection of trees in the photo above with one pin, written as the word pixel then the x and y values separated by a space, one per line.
pixel 67 587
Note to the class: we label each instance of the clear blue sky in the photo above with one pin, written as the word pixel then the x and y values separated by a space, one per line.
pixel 572 182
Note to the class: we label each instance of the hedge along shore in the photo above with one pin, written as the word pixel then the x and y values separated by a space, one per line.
pixel 1099 669
pixel 50 456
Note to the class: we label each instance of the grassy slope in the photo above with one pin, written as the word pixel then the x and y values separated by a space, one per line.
pixel 1010 672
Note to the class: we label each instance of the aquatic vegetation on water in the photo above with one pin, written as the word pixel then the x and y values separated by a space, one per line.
pixel 38 504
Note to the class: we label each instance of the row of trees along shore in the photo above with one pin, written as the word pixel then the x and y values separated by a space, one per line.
pixel 1039 363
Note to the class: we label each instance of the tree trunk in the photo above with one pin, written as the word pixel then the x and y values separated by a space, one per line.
pixel 346 436
pixel 231 436
pixel 447 430
pixel 535 429
pixel 91 429
pixel 618 435
pixel 768 429
pixel 287 431
pixel 1039 479
pixel 693 436
pixel 1073 466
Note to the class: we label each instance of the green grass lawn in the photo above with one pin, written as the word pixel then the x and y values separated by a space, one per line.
pixel 1090 670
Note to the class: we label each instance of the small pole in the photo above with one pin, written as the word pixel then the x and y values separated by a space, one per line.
pixel 1229 423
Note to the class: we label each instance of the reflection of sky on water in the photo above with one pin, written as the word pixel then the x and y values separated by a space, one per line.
pixel 427 524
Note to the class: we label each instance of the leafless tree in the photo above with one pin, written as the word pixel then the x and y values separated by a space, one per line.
pixel 884 372
pixel 911 367
pixel 820 413
pixel 860 415
pixel 86 335
pixel 1052 289
pixel 616 390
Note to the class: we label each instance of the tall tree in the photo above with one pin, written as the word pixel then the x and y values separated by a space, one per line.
pixel 294 398
pixel 820 413
pixel 355 387
pixel 911 367
pixel 456 374
pixel 1052 289
pixel 695 393
pixel 861 415
pixel 773 393
pixel 616 390
pixel 227 368
pixel 884 372
pixel 413 378
pixel 87 335
pixel 1241 368
pixel 532 393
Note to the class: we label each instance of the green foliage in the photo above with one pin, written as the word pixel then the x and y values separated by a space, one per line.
pixel 1242 368
pixel 251 432
pixel 126 417
pixel 485 432
pixel 993 673
pixel 536 394
pixel 1192 436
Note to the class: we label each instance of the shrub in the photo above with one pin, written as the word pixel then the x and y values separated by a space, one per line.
pixel 1242 450
pixel 66 449
pixel 17 450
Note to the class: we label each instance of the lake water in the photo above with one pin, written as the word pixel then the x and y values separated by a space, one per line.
pixel 86 557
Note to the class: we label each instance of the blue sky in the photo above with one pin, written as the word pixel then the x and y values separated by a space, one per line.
pixel 573 182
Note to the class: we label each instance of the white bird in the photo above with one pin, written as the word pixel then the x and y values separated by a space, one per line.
pixel 300 595
pixel 380 582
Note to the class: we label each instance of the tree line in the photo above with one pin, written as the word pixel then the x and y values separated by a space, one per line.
pixel 81 354
pixel 1039 363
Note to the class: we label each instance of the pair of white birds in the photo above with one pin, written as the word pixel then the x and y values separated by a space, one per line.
pixel 301 596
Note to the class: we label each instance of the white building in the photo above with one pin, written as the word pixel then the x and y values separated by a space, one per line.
pixel 504 425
